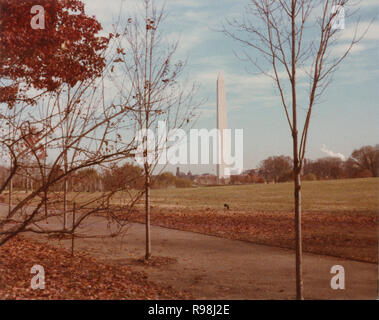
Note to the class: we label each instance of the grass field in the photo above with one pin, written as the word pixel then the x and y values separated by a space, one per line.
pixel 352 195
pixel 340 217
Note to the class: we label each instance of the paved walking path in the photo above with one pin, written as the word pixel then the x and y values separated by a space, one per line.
pixel 216 268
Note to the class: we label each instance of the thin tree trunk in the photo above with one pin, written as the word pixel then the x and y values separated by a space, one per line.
pixel 296 163
pixel 297 197
pixel 147 211
pixel 65 185
pixel 299 264
pixel 65 145
pixel 10 195
pixel 147 171
pixel 64 202
pixel 45 173
pixel 73 232
pixel 11 180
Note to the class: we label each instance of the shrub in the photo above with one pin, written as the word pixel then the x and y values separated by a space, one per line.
pixel 260 180
pixel 364 174
pixel 309 177
pixel 164 180
pixel 183 183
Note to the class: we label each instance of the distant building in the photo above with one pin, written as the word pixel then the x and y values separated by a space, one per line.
pixel 182 175
pixel 206 179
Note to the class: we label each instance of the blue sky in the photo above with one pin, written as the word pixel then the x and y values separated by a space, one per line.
pixel 345 119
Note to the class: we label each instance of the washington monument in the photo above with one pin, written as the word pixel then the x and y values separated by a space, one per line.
pixel 222 170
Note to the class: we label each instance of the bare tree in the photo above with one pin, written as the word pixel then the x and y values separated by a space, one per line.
pixel 275 168
pixel 293 39
pixel 97 135
pixel 148 74
pixel 366 158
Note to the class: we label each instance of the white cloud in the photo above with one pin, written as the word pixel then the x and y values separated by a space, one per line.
pixel 339 50
pixel 331 153
pixel 367 3
pixel 370 31
pixel 188 40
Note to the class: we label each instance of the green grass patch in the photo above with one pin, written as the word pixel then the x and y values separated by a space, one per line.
pixel 350 195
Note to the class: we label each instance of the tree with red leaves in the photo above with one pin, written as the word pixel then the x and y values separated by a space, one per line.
pixel 67 50
pixel 53 102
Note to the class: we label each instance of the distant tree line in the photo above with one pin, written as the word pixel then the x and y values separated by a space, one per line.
pixel 126 176
pixel 363 163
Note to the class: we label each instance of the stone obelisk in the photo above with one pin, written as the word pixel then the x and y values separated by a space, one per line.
pixel 221 125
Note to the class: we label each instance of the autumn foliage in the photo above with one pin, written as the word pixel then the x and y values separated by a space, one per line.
pixel 335 234
pixel 79 277
pixel 67 50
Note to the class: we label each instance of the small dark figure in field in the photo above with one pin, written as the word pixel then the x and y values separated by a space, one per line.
pixel 226 206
